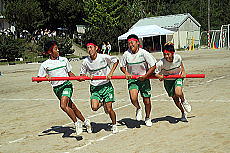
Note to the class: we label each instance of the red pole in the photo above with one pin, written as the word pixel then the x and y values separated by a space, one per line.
pixel 113 77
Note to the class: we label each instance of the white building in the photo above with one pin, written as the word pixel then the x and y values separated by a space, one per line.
pixel 186 28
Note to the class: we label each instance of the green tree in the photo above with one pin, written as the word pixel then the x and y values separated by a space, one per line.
pixel 62 13
pixel 64 44
pixel 71 13
pixel 107 19
pixel 11 48
pixel 24 14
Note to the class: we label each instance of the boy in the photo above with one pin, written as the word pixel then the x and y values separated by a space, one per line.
pixel 102 91
pixel 57 66
pixel 137 61
pixel 172 64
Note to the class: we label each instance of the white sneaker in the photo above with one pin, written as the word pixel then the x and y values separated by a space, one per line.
pixel 88 126
pixel 148 122
pixel 114 129
pixel 78 127
pixel 184 117
pixel 138 114
pixel 186 106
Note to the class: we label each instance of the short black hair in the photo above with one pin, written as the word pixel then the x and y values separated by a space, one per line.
pixel 49 44
pixel 133 36
pixel 169 46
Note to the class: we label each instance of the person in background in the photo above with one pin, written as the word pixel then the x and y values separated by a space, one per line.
pixel 109 47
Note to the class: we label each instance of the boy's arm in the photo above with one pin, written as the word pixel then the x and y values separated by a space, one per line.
pixel 152 63
pixel 71 74
pixel 149 73
pixel 83 72
pixel 123 67
pixel 160 77
pixel 158 71
pixel 127 74
pixel 112 70
pixel 183 74
pixel 42 73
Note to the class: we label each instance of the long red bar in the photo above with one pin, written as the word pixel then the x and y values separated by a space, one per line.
pixel 113 77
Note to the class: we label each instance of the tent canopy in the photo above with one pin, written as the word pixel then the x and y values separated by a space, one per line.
pixel 146 31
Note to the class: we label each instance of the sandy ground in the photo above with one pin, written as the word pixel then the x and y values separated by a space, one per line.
pixel 31 120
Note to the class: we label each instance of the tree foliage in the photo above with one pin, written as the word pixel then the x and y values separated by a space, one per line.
pixel 64 44
pixel 11 48
pixel 219 15
pixel 24 14
pixel 52 14
pixel 107 19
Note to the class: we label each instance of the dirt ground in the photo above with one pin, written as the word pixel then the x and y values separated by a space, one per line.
pixel 32 122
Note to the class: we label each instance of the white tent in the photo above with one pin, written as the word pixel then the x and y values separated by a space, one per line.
pixel 146 31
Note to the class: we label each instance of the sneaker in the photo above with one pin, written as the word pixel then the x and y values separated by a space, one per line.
pixel 78 127
pixel 114 129
pixel 186 106
pixel 148 122
pixel 138 114
pixel 88 126
pixel 184 117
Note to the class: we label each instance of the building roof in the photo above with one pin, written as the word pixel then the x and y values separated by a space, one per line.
pixel 146 31
pixel 171 22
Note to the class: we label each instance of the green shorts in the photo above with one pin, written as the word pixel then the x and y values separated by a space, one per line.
pixel 143 86
pixel 103 93
pixel 171 84
pixel 65 89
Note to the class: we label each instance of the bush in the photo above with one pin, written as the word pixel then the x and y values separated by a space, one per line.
pixel 11 48
pixel 64 44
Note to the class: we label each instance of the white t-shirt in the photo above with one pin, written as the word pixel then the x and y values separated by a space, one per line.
pixel 103 47
pixel 138 63
pixel 169 68
pixel 55 68
pixel 98 67
pixel 109 47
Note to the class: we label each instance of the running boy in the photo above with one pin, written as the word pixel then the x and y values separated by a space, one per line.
pixel 57 66
pixel 172 64
pixel 137 61
pixel 102 91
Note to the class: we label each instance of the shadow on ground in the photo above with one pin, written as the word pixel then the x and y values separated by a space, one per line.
pixel 131 123
pixel 97 127
pixel 68 132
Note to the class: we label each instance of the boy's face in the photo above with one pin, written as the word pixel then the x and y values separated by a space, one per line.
pixel 92 49
pixel 133 45
pixel 54 51
pixel 169 56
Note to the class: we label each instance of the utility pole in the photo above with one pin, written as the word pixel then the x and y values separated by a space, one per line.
pixel 209 46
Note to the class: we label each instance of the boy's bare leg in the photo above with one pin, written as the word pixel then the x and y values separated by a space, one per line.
pixel 179 93
pixel 77 112
pixel 69 111
pixel 95 104
pixel 111 112
pixel 178 103
pixel 134 98
pixel 147 103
